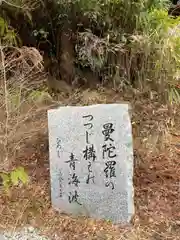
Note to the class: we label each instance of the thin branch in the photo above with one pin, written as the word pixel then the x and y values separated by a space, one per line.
pixel 11 4
pixel 6 101
pixel 24 7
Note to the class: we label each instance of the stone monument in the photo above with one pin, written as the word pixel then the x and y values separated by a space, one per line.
pixel 91 161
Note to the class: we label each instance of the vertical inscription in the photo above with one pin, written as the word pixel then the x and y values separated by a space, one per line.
pixel 60 175
pixel 58 146
pixel 89 153
pixel 73 180
pixel 109 154
pixel 60 178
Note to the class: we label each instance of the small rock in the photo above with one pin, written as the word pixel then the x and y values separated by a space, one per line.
pixel 30 229
pixel 177 223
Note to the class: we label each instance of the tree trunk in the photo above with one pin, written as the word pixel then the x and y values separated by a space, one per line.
pixel 66 54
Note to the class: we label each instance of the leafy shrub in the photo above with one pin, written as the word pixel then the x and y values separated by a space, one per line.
pixel 142 50
pixel 8 35
pixel 18 175
pixel 126 42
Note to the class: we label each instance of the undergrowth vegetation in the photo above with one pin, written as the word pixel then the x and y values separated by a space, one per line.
pixel 127 44
pixel 124 42
pixel 130 51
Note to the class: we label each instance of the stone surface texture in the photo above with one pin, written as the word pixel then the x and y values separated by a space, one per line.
pixel 93 138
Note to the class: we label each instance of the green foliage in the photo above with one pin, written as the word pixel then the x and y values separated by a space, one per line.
pixel 38 95
pixel 164 47
pixel 121 15
pixel 174 95
pixel 17 175
pixel 13 178
pixel 157 22
pixel 8 35
pixel 5 181
pixel 123 41
pixel 139 38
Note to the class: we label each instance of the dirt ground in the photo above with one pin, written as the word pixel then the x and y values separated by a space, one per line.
pixel 156 175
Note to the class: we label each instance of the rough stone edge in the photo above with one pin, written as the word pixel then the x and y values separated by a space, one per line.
pixel 130 182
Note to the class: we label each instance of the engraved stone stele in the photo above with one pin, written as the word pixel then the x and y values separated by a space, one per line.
pixel 91 161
